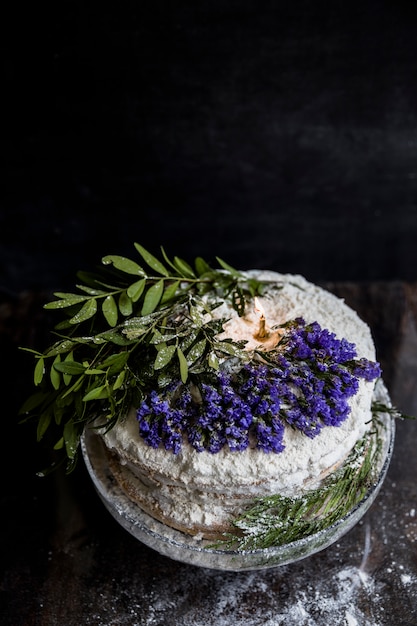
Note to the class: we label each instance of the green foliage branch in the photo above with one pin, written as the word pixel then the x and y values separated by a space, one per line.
pixel 127 326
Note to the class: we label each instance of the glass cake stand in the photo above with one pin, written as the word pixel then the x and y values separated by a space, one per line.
pixel 187 549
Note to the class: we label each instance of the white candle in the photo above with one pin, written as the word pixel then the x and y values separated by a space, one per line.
pixel 262 331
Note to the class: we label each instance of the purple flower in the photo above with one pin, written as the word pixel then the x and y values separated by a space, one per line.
pixel 367 370
pixel 270 436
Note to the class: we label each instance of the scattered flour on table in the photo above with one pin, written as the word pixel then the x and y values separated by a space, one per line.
pixel 281 597
pixel 405 578
pixel 239 602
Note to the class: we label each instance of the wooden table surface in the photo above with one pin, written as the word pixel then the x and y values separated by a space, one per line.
pixel 64 560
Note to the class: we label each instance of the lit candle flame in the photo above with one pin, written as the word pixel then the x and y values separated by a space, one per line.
pixel 258 308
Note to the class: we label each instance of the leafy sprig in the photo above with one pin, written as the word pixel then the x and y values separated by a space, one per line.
pixel 125 327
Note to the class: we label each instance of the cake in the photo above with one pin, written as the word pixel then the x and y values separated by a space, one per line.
pixel 199 492
pixel 211 391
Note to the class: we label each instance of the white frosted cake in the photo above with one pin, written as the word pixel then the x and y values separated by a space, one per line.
pixel 200 492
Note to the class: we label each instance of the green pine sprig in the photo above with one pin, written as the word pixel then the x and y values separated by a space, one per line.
pixel 277 520
pixel 126 327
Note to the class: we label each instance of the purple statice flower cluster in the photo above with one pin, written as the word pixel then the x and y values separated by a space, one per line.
pixel 315 376
pixel 159 422
pixel 222 417
pixel 219 416
pixel 263 399
pixel 307 384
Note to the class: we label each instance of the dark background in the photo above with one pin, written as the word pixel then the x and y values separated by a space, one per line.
pixel 277 135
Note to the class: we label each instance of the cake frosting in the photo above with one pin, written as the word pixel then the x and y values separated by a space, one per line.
pixel 200 492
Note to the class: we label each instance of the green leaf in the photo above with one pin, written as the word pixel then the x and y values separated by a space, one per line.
pixel 113 336
pixel 201 266
pixel 151 260
pixel 123 264
pixel 33 402
pixel 64 325
pixel 59 413
pixel 229 268
pixel 196 351
pixel 30 350
pixel 54 374
pixel 39 371
pixel 183 365
pixel 71 439
pixel 207 282
pixel 164 378
pixel 68 377
pixel 133 333
pixel 137 323
pixel 109 308
pixel 97 393
pixel 74 387
pixel 229 348
pixel 44 421
pixel 197 315
pixel 86 312
pixel 167 260
pixel 189 338
pixel 213 361
pixel 61 347
pixel 91 291
pixel 170 292
pixel 66 300
pixel 184 268
pixel 70 367
pixel 152 297
pixel 125 304
pixel 59 444
pixel 158 338
pixel 164 356
pixel 135 290
pixel 115 362
pixel 119 380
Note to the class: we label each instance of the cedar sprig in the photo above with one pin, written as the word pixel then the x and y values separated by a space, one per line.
pixel 277 520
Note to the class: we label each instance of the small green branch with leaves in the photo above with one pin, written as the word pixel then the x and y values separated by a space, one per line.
pixel 124 329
